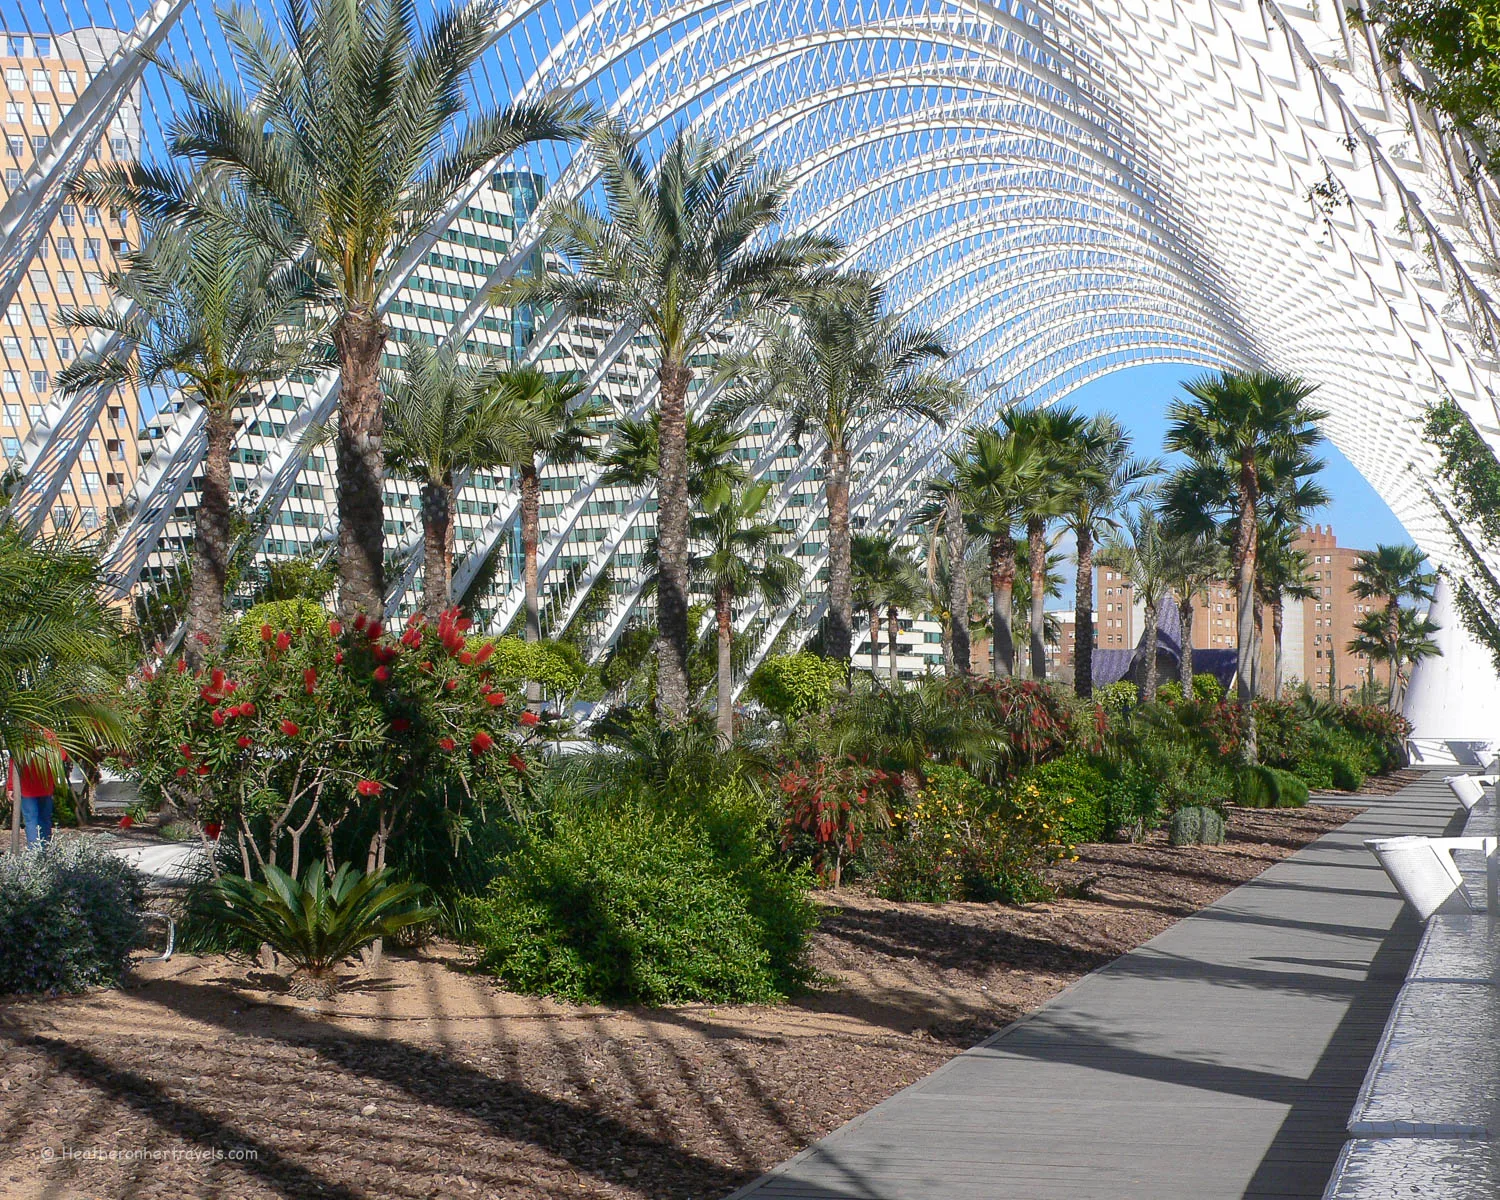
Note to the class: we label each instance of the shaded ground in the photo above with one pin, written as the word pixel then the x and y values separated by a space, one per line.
pixel 205 1079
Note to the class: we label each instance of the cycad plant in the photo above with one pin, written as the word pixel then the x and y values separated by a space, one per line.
pixel 355 139
pixel 316 923
pixel 1238 432
pixel 735 558
pixel 839 367
pixel 684 253
pixel 213 313
pixel 1392 574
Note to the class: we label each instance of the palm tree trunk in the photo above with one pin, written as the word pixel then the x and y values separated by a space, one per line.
pixel 1002 583
pixel 958 583
pixel 1244 563
pixel 672 542
pixel 437 567
pixel 892 630
pixel 1393 638
pixel 211 540
pixel 359 338
pixel 725 717
pixel 840 572
pixel 874 641
pixel 1260 641
pixel 531 523
pixel 1185 663
pixel 1148 678
pixel 1037 550
pixel 1083 614
pixel 1278 626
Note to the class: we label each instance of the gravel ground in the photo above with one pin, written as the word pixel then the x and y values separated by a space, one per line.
pixel 205 1079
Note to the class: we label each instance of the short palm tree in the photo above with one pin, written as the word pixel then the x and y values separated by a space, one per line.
pixel 944 512
pixel 442 420
pixel 206 310
pixel 1410 640
pixel 1142 552
pixel 870 556
pixel 1198 561
pixel 633 457
pixel 841 366
pixel 998 474
pixel 1234 429
pixel 349 149
pixel 1393 574
pixel 685 253
pixel 541 416
pixel 735 557
pixel 1108 478
pixel 1052 441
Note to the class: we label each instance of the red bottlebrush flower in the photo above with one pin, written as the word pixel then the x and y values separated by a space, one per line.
pixel 265 633
pixel 463 624
pixel 335 628
pixel 412 637
pixel 360 621
pixel 208 695
pixel 202 639
pixel 382 674
pixel 448 744
pixel 529 718
pixel 217 677
pixel 309 680
pixel 449 684
pixel 243 741
pixel 426 666
pixel 495 699
pixel 374 630
pixel 186 750
pixel 368 787
pixel 181 771
pixel 466 658
pixel 518 763
pixel 289 727
pixel 400 725
pixel 481 742
pixel 126 821
pixel 203 768
pixel 181 666
pixel 247 709
pixel 283 640
pixel 453 643
pixel 211 829
pixel 338 657
pixel 231 687
pixel 147 673
pixel 484 652
pixel 218 718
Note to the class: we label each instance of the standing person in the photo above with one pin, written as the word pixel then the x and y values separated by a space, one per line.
pixel 36 783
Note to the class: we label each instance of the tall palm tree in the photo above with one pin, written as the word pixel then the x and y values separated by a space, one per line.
pixel 841 366
pixel 208 311
pixel 442 420
pixel 541 416
pixel 61 656
pixel 1108 477
pixel 902 590
pixel 1052 439
pixel 1234 429
pixel 1280 575
pixel 633 456
pixel 945 514
pixel 354 141
pixel 1052 589
pixel 1393 574
pixel 1198 561
pixel 1143 553
pixel 735 557
pixel 684 252
pixel 1410 640
pixel 998 474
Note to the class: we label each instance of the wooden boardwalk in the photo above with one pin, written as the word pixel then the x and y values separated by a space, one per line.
pixel 1221 1059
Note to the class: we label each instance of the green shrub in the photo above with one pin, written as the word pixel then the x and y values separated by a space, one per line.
pixel 71 914
pixel 1207 688
pixel 1196 825
pixel 295 616
pixel 1268 787
pixel 628 903
pixel 1081 793
pixel 1116 698
pixel 556 666
pixel 794 685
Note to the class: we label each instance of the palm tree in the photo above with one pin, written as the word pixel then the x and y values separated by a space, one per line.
pixel 1146 558
pixel 208 311
pixel 843 366
pixel 541 417
pixel 1051 439
pixel 1052 589
pixel 997 474
pixel 1280 575
pixel 902 590
pixel 1108 477
pixel 1409 640
pixel 736 558
pixel 945 513
pixel 1198 561
pixel 1234 430
pixel 684 254
pixel 61 656
pixel 633 457
pixel 442 420
pixel 1393 574
pixel 871 561
pixel 349 151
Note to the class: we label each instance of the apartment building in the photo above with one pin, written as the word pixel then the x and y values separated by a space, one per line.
pixel 40 78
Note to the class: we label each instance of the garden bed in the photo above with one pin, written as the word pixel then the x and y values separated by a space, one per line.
pixel 430 1082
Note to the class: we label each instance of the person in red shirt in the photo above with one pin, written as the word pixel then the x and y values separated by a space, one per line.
pixel 36 785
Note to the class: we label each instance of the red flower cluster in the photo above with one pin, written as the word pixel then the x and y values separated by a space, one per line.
pixel 529 719
pixel 369 787
pixel 290 728
pixel 481 742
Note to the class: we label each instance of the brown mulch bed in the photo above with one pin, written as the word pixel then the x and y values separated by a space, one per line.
pixel 429 1082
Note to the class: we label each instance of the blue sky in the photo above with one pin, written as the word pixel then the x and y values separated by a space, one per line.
pixel 1139 396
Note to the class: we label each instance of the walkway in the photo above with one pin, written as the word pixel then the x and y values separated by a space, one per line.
pixel 1221 1059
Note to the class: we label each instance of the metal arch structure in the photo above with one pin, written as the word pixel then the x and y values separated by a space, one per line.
pixel 1066 186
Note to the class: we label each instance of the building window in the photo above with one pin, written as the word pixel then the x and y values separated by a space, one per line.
pixel 15 78
pixel 12 113
pixel 16 144
pixel 13 415
pixel 40 80
pixel 119 147
pixel 65 350
pixel 91 249
pixel 12 178
pixel 39 142
pixel 41 114
pixel 64 247
pixel 41 47
pixel 39 381
pixel 91 214
pixel 39 315
pixel 67 81
pixel 13 312
pixel 11 381
pixel 93 281
pixel 12 447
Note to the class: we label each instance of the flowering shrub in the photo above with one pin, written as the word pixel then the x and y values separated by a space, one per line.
pixel 1385 732
pixel 326 735
pixel 837 805
pixel 1116 698
pixel 1037 721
